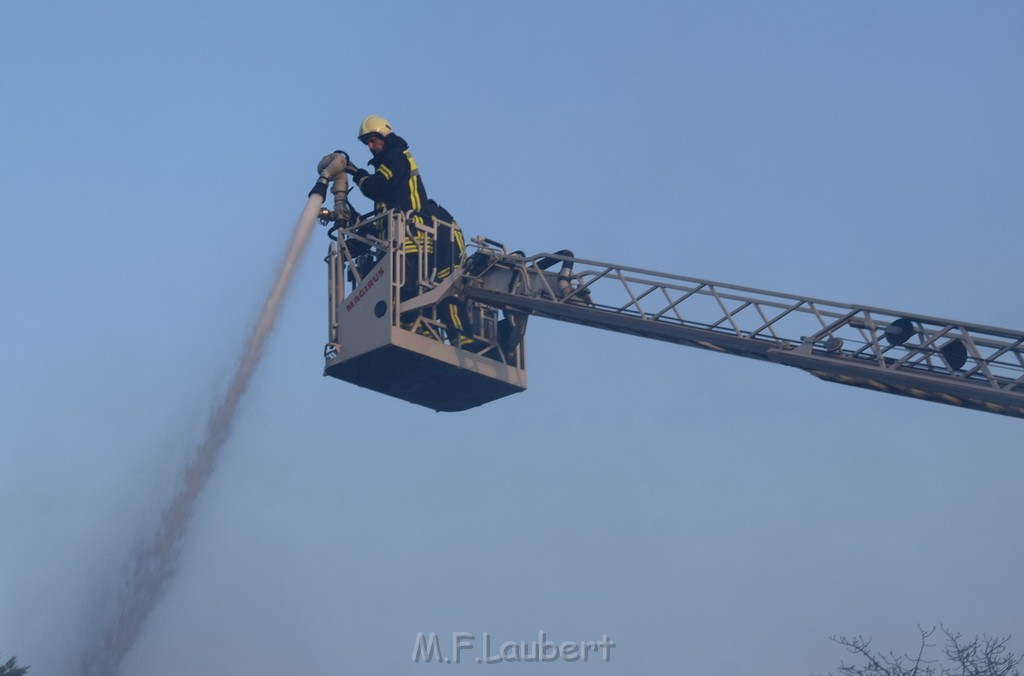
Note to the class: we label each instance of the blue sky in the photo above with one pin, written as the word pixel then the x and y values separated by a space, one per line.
pixel 710 514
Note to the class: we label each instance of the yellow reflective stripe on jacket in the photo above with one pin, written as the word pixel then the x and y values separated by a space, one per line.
pixel 414 193
pixel 414 182
pixel 460 242
pixel 412 245
pixel 442 274
pixel 387 173
pixel 453 312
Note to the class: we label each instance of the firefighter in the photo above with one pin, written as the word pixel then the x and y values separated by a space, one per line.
pixel 397 184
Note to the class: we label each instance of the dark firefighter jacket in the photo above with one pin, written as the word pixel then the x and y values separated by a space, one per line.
pixel 396 183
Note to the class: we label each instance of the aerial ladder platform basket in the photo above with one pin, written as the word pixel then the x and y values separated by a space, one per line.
pixel 390 318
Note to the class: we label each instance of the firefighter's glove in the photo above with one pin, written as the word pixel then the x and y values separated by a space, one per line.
pixel 359 175
pixel 319 188
pixel 333 165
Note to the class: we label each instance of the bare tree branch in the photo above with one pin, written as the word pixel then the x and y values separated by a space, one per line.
pixel 981 656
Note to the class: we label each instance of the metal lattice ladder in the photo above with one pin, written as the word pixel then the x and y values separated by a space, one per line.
pixel 947 361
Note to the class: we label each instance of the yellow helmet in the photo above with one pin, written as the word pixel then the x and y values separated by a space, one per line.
pixel 374 124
